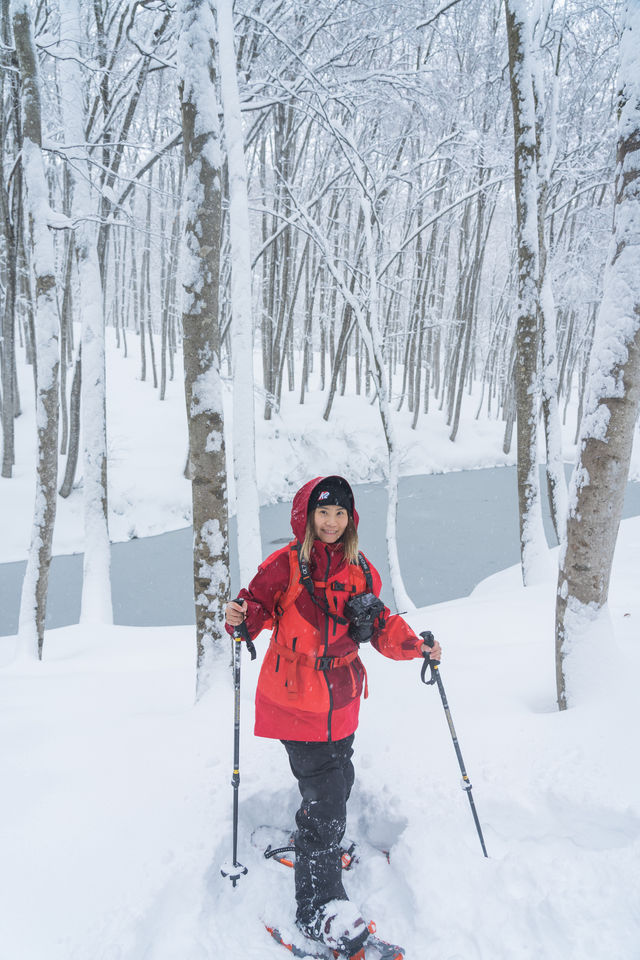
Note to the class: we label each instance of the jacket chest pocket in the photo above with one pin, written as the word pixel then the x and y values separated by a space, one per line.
pixel 337 594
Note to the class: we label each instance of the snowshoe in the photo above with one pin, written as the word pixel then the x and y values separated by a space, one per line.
pixel 377 949
pixel 298 947
pixel 373 949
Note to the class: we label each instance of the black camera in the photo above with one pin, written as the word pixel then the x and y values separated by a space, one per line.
pixel 362 611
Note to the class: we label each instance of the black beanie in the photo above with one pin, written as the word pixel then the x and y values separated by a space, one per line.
pixel 333 492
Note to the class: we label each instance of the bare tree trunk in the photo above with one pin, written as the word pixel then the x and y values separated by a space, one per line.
pixel 11 217
pixel 66 323
pixel 201 343
pixel 74 429
pixel 546 150
pixel 168 292
pixel 145 287
pixel 9 353
pixel 307 352
pixel 117 286
pixel 484 216
pixel 96 603
pixel 164 337
pixel 143 351
pixel 599 480
pixel 34 589
pixel 152 351
pixel 244 446
pixel 533 547
pixel 123 297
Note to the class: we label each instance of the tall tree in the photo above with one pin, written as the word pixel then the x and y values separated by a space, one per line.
pixel 34 589
pixel 9 241
pixel 533 547
pixel 201 343
pixel 96 605
pixel 599 479
pixel 244 442
pixel 546 152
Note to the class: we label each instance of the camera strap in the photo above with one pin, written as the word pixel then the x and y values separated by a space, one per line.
pixel 366 569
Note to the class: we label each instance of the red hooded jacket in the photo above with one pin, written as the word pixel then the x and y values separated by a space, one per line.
pixel 294 699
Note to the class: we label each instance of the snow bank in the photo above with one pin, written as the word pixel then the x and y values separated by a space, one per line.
pixel 116 799
pixel 147 447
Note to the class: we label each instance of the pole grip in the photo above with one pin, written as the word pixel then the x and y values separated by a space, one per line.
pixel 242 632
pixel 429 640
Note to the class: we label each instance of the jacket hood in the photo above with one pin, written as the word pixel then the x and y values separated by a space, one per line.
pixel 301 505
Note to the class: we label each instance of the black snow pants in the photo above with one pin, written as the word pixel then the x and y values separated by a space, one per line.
pixel 325 775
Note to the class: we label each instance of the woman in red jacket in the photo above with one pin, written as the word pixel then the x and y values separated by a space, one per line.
pixel 308 693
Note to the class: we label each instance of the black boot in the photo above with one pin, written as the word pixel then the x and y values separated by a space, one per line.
pixel 339 926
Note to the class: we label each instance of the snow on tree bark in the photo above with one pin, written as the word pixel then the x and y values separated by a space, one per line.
pixel 599 479
pixel 96 604
pixel 244 445
pixel 8 334
pixel 201 337
pixel 533 547
pixel 556 483
pixel 10 207
pixel 546 151
pixel 34 589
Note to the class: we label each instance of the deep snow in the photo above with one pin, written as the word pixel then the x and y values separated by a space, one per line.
pixel 116 799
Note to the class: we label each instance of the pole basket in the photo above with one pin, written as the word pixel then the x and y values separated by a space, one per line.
pixel 233 871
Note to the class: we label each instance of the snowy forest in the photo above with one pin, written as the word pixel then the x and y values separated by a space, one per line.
pixel 420 220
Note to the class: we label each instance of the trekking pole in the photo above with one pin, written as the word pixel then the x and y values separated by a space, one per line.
pixel 427 636
pixel 236 870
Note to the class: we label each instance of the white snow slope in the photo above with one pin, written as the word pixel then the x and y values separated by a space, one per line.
pixel 116 798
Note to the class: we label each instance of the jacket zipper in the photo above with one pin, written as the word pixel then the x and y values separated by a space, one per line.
pixel 326 648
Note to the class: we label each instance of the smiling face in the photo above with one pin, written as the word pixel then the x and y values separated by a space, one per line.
pixel 330 523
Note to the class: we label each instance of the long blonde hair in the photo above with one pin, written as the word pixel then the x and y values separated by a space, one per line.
pixel 349 541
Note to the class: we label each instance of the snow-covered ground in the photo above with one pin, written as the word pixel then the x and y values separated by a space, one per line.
pixel 116 799
pixel 147 441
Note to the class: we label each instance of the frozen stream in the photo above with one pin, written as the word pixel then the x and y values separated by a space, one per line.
pixel 454 529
